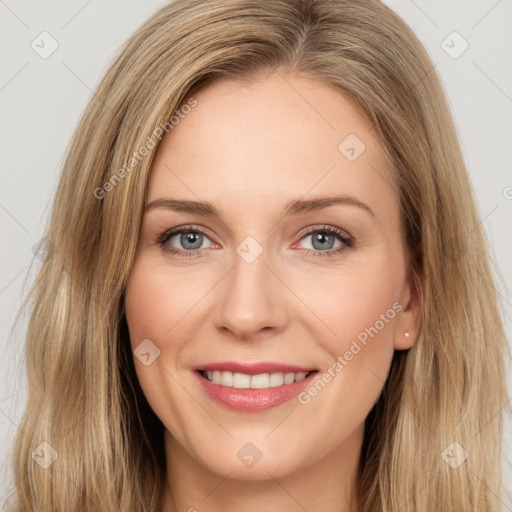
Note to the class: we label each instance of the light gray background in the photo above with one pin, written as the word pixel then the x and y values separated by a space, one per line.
pixel 42 101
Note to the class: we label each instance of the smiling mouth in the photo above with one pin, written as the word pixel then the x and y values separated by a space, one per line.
pixel 259 381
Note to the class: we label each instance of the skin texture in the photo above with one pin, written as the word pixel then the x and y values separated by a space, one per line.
pixel 249 150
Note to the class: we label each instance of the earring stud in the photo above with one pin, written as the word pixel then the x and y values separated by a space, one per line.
pixel 406 334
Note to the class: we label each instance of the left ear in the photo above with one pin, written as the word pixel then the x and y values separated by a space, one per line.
pixel 408 319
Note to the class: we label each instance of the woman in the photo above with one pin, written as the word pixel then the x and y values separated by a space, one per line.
pixel 253 296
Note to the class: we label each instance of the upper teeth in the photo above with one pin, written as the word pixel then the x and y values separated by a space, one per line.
pixel 261 381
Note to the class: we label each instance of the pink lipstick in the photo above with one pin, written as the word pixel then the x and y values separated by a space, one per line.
pixel 253 387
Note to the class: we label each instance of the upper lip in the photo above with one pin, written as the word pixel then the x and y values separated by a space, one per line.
pixel 254 368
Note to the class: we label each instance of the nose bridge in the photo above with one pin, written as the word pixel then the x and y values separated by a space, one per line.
pixel 251 299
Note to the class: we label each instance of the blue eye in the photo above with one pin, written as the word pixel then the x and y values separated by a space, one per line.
pixel 323 240
pixel 192 238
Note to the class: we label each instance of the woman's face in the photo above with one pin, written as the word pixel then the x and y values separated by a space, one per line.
pixel 277 277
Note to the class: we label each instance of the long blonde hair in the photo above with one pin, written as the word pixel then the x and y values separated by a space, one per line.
pixel 84 399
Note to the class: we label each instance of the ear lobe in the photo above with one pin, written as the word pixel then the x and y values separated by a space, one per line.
pixel 408 319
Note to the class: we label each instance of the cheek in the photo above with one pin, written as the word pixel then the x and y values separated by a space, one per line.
pixel 152 308
pixel 366 310
pixel 156 302
pixel 164 305
pixel 351 303
pixel 156 309
pixel 358 311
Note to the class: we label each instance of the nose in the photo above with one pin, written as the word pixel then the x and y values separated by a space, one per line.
pixel 253 301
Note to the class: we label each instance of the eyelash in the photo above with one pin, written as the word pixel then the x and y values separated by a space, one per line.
pixel 348 241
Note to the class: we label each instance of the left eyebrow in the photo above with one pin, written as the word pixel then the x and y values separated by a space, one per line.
pixel 311 205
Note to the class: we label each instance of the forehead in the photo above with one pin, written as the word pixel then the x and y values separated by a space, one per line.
pixel 278 138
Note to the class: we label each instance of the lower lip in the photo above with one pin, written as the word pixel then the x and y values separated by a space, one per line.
pixel 253 400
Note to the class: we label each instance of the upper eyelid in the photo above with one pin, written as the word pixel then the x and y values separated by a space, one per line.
pixel 180 229
pixel 325 227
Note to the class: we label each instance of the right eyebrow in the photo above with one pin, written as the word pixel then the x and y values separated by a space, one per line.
pixel 181 205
